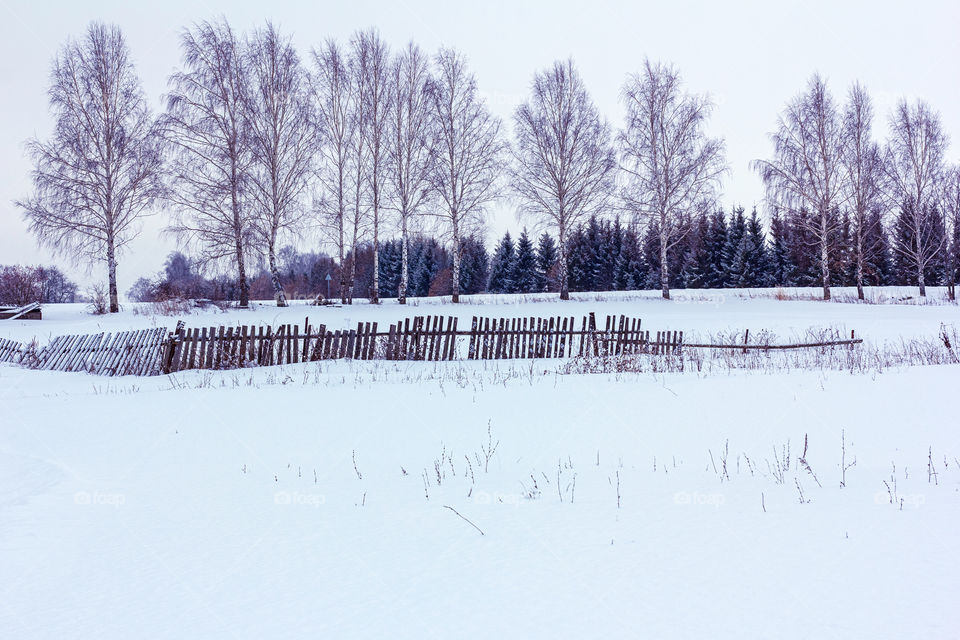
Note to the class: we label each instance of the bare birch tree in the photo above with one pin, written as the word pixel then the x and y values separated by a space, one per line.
pixel 283 136
pixel 410 146
pixel 100 171
pixel 373 70
pixel 335 102
pixel 359 211
pixel 914 167
pixel 210 151
pixel 673 169
pixel 863 163
pixel 468 153
pixel 806 170
pixel 564 164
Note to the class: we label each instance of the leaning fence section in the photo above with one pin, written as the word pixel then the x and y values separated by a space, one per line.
pixel 113 354
pixel 10 350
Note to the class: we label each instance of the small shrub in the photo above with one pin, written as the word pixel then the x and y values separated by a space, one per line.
pixel 99 302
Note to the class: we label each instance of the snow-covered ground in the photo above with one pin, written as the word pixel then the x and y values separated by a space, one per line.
pixel 498 499
pixel 697 312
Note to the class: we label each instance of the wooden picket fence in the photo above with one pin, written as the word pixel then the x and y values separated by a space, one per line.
pixel 558 337
pixel 428 338
pixel 10 350
pixel 112 354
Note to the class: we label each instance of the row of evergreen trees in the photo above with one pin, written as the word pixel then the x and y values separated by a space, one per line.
pixel 720 251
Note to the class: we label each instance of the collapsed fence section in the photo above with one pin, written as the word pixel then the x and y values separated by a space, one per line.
pixel 10 350
pixel 112 354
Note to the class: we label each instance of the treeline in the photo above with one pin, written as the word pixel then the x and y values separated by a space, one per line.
pixel 260 143
pixel 20 285
pixel 721 251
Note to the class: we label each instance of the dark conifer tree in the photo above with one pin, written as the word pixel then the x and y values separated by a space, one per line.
pixel 629 272
pixel 580 261
pixel 546 263
pixel 501 267
pixel 905 243
pixel 716 242
pixel 736 231
pixel 781 266
pixel 474 266
pixel 524 276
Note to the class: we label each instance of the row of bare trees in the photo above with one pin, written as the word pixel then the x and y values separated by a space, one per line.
pixel 825 160
pixel 256 148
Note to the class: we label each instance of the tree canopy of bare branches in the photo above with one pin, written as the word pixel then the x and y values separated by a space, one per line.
pixel 469 152
pixel 283 141
pixel 673 169
pixel 806 171
pixel 563 161
pixel 100 171
pixel 863 163
pixel 914 168
pixel 410 146
pixel 335 101
pixel 209 155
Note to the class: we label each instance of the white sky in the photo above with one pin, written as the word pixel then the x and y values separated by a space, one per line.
pixel 749 56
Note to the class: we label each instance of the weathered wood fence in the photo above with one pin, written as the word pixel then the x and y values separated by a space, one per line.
pixel 112 354
pixel 429 338
pixel 10 350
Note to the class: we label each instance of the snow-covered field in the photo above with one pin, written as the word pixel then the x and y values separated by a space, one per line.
pixel 498 499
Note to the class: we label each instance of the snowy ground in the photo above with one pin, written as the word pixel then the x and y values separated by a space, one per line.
pixel 697 312
pixel 311 500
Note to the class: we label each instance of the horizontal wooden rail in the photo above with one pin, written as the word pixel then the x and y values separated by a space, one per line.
pixel 772 347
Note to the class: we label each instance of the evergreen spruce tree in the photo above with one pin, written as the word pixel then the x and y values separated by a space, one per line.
pixel 389 268
pixel 698 267
pixel 933 234
pixel 546 263
pixel 803 248
pixel 580 261
pixel 474 266
pixel 716 242
pixel 736 231
pixel 750 266
pixel 501 267
pixel 427 266
pixel 650 249
pixel 781 267
pixel 877 260
pixel 524 276
pixel 629 271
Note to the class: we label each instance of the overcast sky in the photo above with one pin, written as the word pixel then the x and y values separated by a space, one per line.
pixel 751 57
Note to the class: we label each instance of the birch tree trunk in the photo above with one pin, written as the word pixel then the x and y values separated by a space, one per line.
pixel 404 256
pixel 455 285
